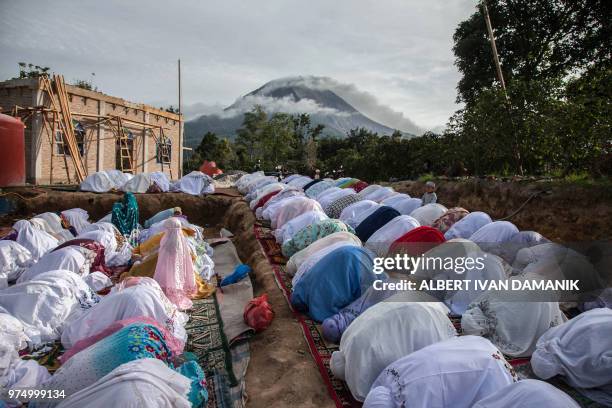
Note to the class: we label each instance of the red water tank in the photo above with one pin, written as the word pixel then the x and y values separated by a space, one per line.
pixel 12 152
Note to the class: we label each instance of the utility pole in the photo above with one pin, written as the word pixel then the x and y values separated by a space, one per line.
pixel 500 78
pixel 500 75
pixel 180 170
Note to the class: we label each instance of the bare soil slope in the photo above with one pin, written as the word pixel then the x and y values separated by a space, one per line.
pixel 562 212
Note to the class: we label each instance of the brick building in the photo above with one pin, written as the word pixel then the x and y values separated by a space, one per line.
pixel 48 160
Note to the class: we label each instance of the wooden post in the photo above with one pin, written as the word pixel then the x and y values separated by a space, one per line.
pixel 61 105
pixel 52 147
pixel 500 75
pixel 500 78
pixel 49 130
pixel 180 123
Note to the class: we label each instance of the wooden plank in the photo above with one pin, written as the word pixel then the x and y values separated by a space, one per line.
pixel 46 86
pixel 71 137
pixel 130 121
pixel 59 101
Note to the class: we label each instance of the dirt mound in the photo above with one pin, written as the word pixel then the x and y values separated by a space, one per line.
pixel 204 212
pixel 561 212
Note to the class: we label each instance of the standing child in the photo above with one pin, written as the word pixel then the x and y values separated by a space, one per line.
pixel 430 196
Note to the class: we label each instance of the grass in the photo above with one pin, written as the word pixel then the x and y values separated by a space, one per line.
pixel 426 177
pixel 584 180
pixel 578 178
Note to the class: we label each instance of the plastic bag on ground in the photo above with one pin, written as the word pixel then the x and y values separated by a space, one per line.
pixel 258 313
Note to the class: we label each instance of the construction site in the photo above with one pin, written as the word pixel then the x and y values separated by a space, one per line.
pixel 71 132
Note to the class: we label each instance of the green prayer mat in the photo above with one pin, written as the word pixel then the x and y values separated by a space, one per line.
pixel 206 339
pixel 48 358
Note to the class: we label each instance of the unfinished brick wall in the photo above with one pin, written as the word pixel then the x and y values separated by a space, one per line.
pixel 46 165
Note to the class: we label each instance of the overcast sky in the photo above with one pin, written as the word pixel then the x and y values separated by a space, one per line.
pixel 397 52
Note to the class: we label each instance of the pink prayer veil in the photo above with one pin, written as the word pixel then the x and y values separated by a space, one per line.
pixel 174 270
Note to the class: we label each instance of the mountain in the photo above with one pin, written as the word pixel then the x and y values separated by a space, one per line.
pixel 294 95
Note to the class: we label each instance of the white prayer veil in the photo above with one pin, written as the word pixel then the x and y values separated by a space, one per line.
pixel 384 333
pixel 34 240
pixel 146 382
pixel 427 214
pixel 407 205
pixel 301 256
pixel 381 240
pixel 580 351
pixel 465 227
pixel 357 212
pixel 459 259
pixel 512 320
pixel 455 373
pixel 70 258
pixel 528 394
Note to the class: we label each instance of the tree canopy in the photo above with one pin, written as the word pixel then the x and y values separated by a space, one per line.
pixel 536 39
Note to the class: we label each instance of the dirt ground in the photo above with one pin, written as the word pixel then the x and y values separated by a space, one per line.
pixel 561 212
pixel 281 372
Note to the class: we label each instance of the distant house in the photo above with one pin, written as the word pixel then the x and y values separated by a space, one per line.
pixel 95 118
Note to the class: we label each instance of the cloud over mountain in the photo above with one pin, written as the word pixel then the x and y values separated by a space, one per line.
pixel 339 107
pixel 362 101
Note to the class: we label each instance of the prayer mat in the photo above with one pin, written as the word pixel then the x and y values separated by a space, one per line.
pixel 206 339
pixel 214 386
pixel 241 356
pixel 320 350
pixel 46 356
pixel 232 299
pixel 220 393
pixel 271 248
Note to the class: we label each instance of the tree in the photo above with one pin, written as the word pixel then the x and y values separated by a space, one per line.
pixel 84 85
pixel 29 70
pixel 208 146
pixel 278 140
pixel 555 115
pixel 536 39
pixel 250 134
pixel 306 137
pixel 212 148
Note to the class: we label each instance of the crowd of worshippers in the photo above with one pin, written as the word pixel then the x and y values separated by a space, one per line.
pixel 434 349
pixel 194 183
pixel 115 294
